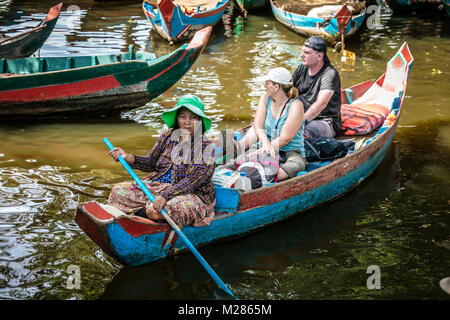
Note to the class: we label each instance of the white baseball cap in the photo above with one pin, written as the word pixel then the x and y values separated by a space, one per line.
pixel 279 75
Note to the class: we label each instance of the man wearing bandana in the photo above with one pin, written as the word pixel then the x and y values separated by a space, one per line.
pixel 319 87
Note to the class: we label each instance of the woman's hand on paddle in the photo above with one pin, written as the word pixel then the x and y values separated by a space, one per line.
pixel 153 210
pixel 116 152
pixel 159 203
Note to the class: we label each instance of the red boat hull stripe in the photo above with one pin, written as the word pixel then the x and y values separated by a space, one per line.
pixel 60 91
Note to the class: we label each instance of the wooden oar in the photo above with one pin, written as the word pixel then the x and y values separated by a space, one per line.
pixel 172 223
pixel 343 17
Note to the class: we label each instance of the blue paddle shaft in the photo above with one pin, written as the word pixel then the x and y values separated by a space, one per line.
pixel 171 222
pixel 131 172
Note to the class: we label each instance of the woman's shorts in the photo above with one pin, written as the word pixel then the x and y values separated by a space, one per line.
pixel 294 162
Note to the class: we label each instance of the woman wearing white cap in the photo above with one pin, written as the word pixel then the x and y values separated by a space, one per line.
pixel 278 123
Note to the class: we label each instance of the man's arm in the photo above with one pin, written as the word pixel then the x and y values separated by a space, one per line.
pixel 329 83
pixel 321 103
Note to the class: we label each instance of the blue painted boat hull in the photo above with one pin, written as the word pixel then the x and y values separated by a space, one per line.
pixel 176 26
pixel 310 26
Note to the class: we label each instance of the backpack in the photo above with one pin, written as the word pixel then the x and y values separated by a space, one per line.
pixel 261 169
pixel 325 149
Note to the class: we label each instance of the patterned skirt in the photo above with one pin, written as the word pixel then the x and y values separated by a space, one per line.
pixel 185 210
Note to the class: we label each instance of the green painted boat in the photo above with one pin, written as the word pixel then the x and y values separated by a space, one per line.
pixel 82 85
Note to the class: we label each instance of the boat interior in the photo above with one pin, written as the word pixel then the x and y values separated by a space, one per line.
pixel 323 9
pixel 385 94
pixel 190 7
pixel 33 65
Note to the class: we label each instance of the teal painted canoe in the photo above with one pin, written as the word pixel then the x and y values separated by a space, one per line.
pixel 28 42
pixel 177 21
pixel 53 86
pixel 133 240
pixel 325 21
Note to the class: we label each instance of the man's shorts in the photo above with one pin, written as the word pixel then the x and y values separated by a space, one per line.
pixel 319 128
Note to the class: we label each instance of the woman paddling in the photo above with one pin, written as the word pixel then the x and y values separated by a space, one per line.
pixel 182 165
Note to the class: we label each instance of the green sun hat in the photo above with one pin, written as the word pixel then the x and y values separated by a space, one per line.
pixel 191 102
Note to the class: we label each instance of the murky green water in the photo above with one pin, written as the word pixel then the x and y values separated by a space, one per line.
pixel 399 219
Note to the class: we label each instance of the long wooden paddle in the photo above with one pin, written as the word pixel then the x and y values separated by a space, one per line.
pixel 172 223
pixel 343 17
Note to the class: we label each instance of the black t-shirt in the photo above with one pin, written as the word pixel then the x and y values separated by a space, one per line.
pixel 309 86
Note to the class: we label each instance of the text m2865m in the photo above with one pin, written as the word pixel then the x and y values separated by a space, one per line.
pixel 246 309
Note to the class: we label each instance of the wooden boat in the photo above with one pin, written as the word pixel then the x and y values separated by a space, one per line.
pixel 313 19
pixel 133 240
pixel 48 87
pixel 246 5
pixel 28 42
pixel 178 20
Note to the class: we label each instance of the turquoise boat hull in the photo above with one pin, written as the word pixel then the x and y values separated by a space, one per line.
pixel 311 26
pixel 173 24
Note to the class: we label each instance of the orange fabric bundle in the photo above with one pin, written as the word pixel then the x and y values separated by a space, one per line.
pixel 361 119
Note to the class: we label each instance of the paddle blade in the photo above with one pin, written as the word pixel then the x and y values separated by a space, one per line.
pixel 343 17
pixel 348 57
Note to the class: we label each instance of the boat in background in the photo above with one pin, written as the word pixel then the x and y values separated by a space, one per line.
pixel 133 240
pixel 28 42
pixel 83 85
pixel 325 21
pixel 178 20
